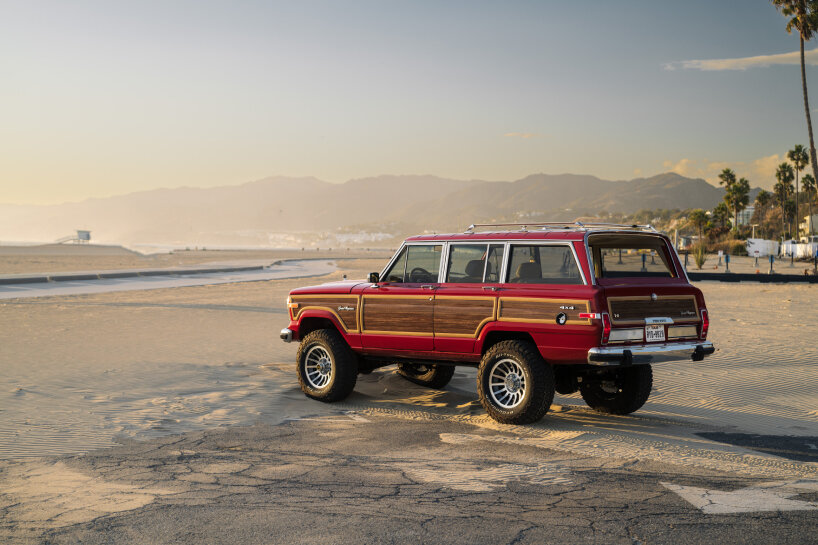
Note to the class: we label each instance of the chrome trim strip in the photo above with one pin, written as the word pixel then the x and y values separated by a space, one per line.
pixel 616 355
pixel 503 278
pixel 444 253
pixel 590 259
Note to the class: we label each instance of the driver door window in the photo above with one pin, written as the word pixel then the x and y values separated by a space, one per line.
pixel 416 264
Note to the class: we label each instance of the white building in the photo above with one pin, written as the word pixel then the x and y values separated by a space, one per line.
pixel 746 215
pixel 805 227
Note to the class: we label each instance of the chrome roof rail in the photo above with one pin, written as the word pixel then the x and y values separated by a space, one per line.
pixel 554 225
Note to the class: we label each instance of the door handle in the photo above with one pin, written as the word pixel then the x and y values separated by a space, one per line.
pixel 427 287
pixel 490 288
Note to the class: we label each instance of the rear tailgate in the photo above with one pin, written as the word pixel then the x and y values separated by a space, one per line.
pixel 661 312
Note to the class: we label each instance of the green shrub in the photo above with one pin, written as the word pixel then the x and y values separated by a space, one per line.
pixel 700 254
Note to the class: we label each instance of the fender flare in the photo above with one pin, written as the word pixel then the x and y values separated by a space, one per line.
pixel 326 315
pixel 498 327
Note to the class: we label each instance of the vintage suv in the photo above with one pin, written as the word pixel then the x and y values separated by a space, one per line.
pixel 537 308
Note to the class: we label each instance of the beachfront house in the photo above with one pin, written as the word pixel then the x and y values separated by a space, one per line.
pixel 810 225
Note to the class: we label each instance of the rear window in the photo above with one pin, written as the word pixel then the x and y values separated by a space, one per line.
pixel 630 256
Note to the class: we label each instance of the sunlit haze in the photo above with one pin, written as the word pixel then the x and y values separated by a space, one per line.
pixel 104 98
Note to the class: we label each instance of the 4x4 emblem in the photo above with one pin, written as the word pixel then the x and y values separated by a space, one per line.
pixel 566 307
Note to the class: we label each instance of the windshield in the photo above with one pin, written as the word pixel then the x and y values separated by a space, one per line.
pixel 619 255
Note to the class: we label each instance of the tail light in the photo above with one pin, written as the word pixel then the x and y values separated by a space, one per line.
pixel 606 328
pixel 705 323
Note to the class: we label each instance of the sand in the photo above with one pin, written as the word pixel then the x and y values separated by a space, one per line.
pixel 54 258
pixel 85 371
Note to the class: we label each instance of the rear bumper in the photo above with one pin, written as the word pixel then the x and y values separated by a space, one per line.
pixel 654 353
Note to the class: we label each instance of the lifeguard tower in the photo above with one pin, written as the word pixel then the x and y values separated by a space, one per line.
pixel 82 237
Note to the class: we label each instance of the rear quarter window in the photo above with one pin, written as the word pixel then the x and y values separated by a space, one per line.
pixel 542 265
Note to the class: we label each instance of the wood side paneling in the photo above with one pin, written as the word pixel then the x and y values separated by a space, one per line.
pixel 344 307
pixel 462 316
pixel 513 309
pixel 407 315
pixel 634 310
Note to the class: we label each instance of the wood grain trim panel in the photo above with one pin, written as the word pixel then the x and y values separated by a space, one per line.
pixel 643 307
pixel 542 310
pixel 330 303
pixel 410 315
pixel 463 317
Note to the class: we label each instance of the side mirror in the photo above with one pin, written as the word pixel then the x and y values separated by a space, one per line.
pixel 374 278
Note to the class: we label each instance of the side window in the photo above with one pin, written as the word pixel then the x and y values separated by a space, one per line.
pixel 518 259
pixel 495 263
pixel 466 263
pixel 397 270
pixel 543 265
pixel 422 263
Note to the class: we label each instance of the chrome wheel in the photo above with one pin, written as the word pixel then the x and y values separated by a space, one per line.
pixel 507 383
pixel 318 367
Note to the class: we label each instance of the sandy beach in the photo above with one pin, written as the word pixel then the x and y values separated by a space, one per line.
pixel 147 363
pixel 122 374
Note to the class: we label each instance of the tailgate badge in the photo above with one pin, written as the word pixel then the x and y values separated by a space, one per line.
pixel 653 297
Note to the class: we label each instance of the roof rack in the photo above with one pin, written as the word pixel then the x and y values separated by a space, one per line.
pixel 555 225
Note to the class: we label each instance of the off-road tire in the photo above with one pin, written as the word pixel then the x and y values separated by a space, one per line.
pixel 344 362
pixel 633 385
pixel 431 376
pixel 538 377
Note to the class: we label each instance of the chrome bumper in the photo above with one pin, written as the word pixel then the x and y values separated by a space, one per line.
pixel 286 335
pixel 652 353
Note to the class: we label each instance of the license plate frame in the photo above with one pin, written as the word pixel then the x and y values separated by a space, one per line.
pixel 655 333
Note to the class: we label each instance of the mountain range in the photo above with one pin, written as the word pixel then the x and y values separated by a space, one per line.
pixel 283 211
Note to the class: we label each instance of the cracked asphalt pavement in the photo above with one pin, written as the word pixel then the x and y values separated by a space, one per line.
pixel 350 478
pixel 174 416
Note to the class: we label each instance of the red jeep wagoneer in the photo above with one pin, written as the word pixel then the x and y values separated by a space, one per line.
pixel 537 308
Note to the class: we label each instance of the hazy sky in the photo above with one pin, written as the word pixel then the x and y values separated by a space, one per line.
pixel 103 98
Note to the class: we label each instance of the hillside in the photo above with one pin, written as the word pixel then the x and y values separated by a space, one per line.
pixel 299 211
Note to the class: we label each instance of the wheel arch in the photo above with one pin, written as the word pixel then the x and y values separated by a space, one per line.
pixel 313 320
pixel 492 336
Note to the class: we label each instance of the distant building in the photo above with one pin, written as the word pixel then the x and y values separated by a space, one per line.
pixel 804 227
pixel 746 215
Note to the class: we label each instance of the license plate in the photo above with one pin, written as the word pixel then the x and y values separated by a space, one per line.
pixel 654 333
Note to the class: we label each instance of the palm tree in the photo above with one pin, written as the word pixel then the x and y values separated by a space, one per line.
pixel 804 19
pixel 799 158
pixel 727 178
pixel 763 200
pixel 737 198
pixel 782 189
pixel 810 187
pixel 698 219
pixel 721 215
